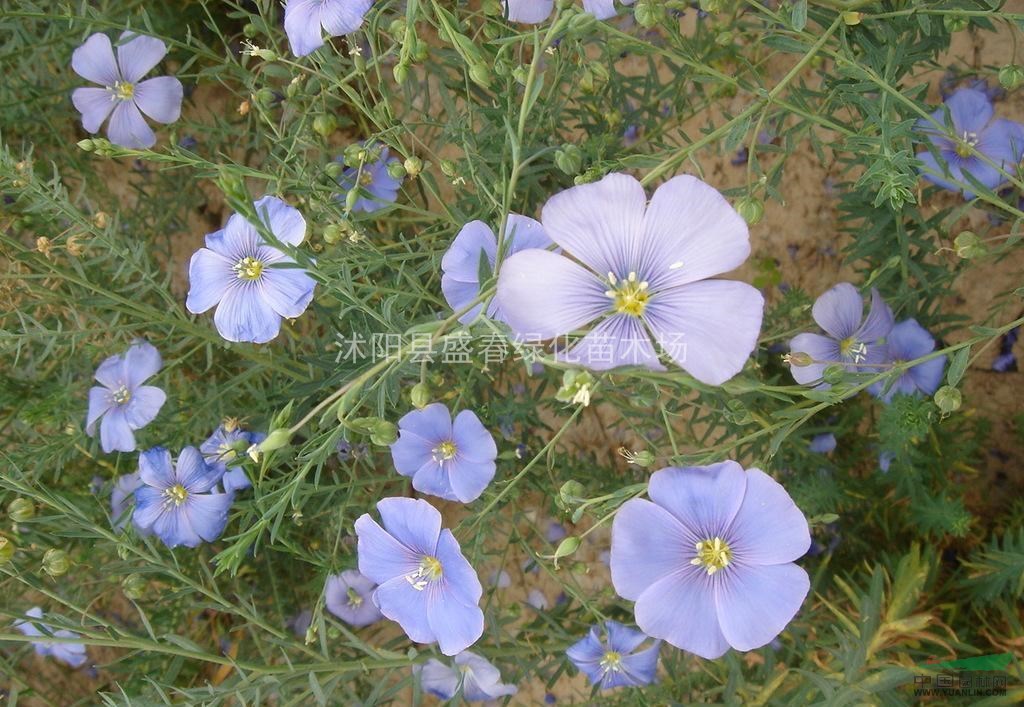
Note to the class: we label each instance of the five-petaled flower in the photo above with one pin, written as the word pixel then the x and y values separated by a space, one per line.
pixel 124 95
pixel 425 582
pixel 851 341
pixel 642 271
pixel 176 503
pixel 479 679
pixel 473 254
pixel 613 660
pixel 349 596
pixel 224 451
pixel 253 284
pixel 535 11
pixel 375 186
pixel 908 341
pixel 972 144
pixel 305 21
pixel 122 404
pixel 71 653
pixel 446 458
pixel 709 559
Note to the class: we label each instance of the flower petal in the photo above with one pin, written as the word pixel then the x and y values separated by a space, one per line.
pixel 302 25
pixel 209 277
pixel 618 340
pixel 288 291
pixel 139 55
pixel 623 639
pixel 343 16
pixel 755 603
pixel 462 260
pixel 460 579
pixel 95 104
pixel 438 679
pixel 934 172
pixel 155 468
pixel 704 499
pixel 399 601
pixel 529 11
pixel 144 406
pixel 94 60
pixel 459 294
pixel 468 479
pixel 412 521
pixel 709 327
pixel 601 9
pixel 768 528
pixel 680 609
pixel 194 473
pixel 244 315
pixel 284 221
pixel 839 310
pixel 818 347
pixel 207 513
pixel 970 110
pixel 410 452
pixel 111 372
pixel 599 223
pixel 472 440
pixel 523 233
pixel 642 666
pixel 544 295
pixel 432 424
pixel 879 321
pixel 116 433
pixel 433 479
pixel 128 128
pixel 99 403
pixel 381 556
pixel 648 543
pixel 141 362
pixel 160 98
pixel 690 225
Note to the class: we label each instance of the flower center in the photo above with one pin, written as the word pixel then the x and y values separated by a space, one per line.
pixel 445 451
pixel 248 268
pixel 857 350
pixel 123 90
pixel 430 570
pixel 629 296
pixel 176 494
pixel 713 555
pixel 354 600
pixel 967 141
pixel 365 179
pixel 611 661
pixel 121 395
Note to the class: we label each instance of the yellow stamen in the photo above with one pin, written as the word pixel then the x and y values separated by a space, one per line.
pixel 354 600
pixel 123 90
pixel 121 395
pixel 713 555
pixel 445 451
pixel 177 494
pixel 629 296
pixel 612 661
pixel 430 570
pixel 248 268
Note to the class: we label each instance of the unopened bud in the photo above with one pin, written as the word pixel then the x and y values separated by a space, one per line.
pixel 751 209
pixel 948 399
pixel 21 509
pixel 968 245
pixel 275 440
pixel 56 562
pixel 420 395
pixel 396 170
pixel 1011 76
pixel 413 165
pixel 325 124
pixel 133 586
pixel 6 550
pixel 384 433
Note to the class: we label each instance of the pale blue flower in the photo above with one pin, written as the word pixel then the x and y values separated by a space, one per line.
pixel 306 21
pixel 613 660
pixel 478 679
pixel 377 188
pixel 122 404
pixel 71 653
pixel 224 451
pixel 349 596
pixel 908 341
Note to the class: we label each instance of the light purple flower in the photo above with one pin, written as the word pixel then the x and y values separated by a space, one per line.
pixel 123 403
pixel 480 681
pixel 538 600
pixel 224 450
pixel 252 283
pixel 472 248
pixel 907 341
pixel 971 115
pixel 122 499
pixel 446 458
pixel 425 582
pixel 71 653
pixel 709 560
pixel 305 21
pixel 536 11
pixel 823 443
pixel 176 503
pixel 123 95
pixel 377 188
pixel 642 271
pixel 851 341
pixel 349 596
pixel 613 660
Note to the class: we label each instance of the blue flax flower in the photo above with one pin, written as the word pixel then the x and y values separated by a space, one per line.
pixel 425 583
pixel 461 264
pixel 446 458
pixel 479 679
pixel 252 283
pixel 639 271
pixel 349 596
pixel 851 341
pixel 176 503
pixel 305 21
pixel 71 653
pixel 823 443
pixel 970 134
pixel 124 97
pixel 709 559
pixel 377 188
pixel 121 403
pixel 536 11
pixel 225 449
pixel 907 341
pixel 613 660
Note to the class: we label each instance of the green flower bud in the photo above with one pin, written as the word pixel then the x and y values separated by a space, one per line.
pixel 275 440
pixel 834 374
pixel 751 209
pixel 480 75
pixel 401 72
pixel 852 18
pixel 250 30
pixel 397 29
pixel 1011 76
pixel 86 145
pixel 956 23
pixel 648 14
pixel 723 39
pixel 351 198
pixel 712 6
pixel 582 24
pixel 567 547
pixel 569 159
pixel 265 97
pixel 133 586
pixel 6 550
pixel 948 399
pixel 519 74
pixel 413 165
pixel 325 124
pixel 449 168
pixel 384 433
pixel 21 509
pixel 798 359
pixel 332 234
pixel 420 395
pixel 968 245
pixel 334 169
pixel 396 170
pixel 571 493
pixel 56 562
pixel 420 51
